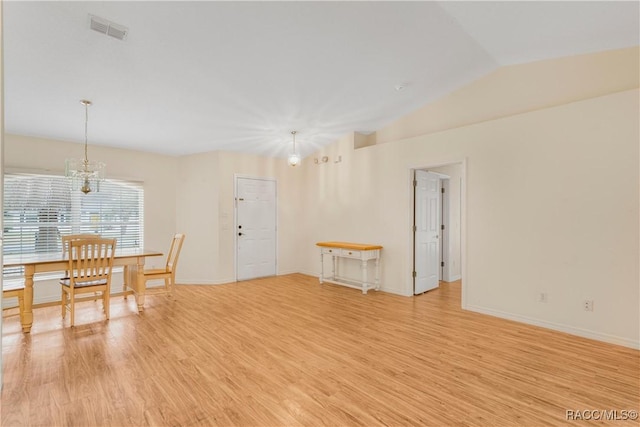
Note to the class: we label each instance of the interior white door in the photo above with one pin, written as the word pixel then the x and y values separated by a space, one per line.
pixel 255 228
pixel 427 231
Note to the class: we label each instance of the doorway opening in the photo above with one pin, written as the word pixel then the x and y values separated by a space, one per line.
pixel 438 234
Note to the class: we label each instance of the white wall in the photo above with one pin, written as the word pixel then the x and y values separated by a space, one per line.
pixel 197 217
pixel 550 155
pixel 206 213
pixel 288 187
pixel 551 205
pixel 347 201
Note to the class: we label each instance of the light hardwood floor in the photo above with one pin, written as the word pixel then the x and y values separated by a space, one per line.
pixel 288 351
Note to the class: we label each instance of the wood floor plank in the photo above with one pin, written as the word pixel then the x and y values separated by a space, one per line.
pixel 287 351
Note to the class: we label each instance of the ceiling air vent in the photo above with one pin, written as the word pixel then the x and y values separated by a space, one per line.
pixel 107 27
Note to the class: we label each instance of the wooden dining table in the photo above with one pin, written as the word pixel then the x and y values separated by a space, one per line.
pixel 132 259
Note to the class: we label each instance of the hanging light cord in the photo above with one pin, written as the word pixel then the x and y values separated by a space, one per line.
pixel 86 104
pixel 86 125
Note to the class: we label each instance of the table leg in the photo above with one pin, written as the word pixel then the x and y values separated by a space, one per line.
pixel 140 285
pixel 377 273
pixel 321 267
pixel 334 267
pixel 125 280
pixel 27 319
pixel 365 286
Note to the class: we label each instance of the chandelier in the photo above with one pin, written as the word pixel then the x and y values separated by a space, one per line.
pixel 294 157
pixel 84 174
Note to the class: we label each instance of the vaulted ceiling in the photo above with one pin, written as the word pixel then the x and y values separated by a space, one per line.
pixel 202 76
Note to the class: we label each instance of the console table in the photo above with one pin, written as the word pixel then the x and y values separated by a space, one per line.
pixel 355 251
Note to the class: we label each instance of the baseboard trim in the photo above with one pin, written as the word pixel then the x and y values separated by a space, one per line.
pixel 585 333
pixel 223 281
pixel 205 282
pixel 309 273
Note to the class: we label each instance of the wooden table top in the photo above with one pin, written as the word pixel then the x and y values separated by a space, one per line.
pixel 349 245
pixel 53 257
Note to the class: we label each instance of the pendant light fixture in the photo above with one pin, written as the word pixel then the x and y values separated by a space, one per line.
pixel 84 174
pixel 294 157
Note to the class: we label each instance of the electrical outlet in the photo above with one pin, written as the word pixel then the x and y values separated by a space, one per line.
pixel 542 297
pixel 588 305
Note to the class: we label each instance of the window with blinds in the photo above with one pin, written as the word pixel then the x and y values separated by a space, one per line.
pixel 38 209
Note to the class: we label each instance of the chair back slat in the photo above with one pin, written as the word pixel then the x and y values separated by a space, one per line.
pixel 91 259
pixel 174 252
pixel 71 237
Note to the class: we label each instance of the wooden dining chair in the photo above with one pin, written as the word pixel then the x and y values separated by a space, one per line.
pixel 168 273
pixel 65 250
pixel 90 267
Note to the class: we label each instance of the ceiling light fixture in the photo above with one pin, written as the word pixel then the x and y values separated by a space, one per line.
pixel 294 157
pixel 84 174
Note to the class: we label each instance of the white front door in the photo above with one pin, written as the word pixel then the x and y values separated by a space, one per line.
pixel 427 231
pixel 255 228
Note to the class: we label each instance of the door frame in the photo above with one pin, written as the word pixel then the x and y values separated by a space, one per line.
pixel 463 223
pixel 237 176
pixel 445 239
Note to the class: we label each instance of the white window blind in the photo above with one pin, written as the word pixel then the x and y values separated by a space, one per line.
pixel 38 209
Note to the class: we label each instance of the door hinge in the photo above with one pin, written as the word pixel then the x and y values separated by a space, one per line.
pixel 415 228
pixel 415 183
pixel 414 274
pixel 442 189
pixel 442 227
pixel 442 264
